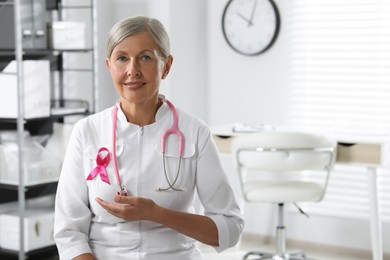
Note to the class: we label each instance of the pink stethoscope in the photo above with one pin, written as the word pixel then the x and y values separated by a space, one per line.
pixel 103 162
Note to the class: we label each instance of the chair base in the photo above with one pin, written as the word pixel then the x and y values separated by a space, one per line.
pixel 294 255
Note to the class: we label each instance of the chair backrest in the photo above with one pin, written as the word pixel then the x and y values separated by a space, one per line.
pixel 283 160
pixel 284 151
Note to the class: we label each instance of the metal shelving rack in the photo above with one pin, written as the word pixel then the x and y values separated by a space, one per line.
pixel 22 189
pixel 20 123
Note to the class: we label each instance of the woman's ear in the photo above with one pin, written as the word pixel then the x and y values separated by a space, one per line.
pixel 107 63
pixel 167 67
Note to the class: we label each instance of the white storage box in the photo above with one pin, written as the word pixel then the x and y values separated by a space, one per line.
pixel 40 166
pixel 67 35
pixel 38 229
pixel 36 90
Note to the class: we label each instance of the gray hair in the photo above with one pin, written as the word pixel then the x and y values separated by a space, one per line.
pixel 135 25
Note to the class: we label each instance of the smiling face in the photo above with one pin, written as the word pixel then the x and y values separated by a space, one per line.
pixel 137 68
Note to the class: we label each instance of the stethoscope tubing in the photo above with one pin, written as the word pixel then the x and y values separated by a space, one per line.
pixel 171 184
pixel 122 190
pixel 173 130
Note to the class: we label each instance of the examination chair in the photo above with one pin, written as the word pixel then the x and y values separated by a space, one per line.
pixel 280 168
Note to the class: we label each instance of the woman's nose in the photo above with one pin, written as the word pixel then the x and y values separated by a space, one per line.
pixel 133 69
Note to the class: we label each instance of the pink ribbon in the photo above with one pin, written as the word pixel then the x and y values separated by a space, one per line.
pixel 101 166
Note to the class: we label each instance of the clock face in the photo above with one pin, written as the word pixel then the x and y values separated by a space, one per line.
pixel 250 27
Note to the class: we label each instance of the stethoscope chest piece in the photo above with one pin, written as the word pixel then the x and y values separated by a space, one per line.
pixel 122 191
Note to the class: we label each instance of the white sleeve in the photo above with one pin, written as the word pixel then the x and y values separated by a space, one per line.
pixel 216 194
pixel 72 213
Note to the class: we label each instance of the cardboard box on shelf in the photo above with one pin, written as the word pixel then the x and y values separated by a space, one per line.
pixel 38 229
pixel 39 165
pixel 36 79
pixel 65 35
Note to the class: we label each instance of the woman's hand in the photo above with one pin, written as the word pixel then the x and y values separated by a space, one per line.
pixel 129 208
pixel 201 228
pixel 84 257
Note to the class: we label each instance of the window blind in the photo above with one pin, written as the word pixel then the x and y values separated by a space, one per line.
pixel 340 83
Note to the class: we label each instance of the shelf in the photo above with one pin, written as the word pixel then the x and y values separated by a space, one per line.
pixel 7 56
pixel 44 125
pixel 60 109
pixel 55 57
pixel 37 52
pixel 66 107
pixel 4 3
pixel 9 192
pixel 37 254
pixel 12 187
pixel 40 52
pixel 72 50
pixel 76 7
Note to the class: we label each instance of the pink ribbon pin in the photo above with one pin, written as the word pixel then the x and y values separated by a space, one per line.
pixel 101 166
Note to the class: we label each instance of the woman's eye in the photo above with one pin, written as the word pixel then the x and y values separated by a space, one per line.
pixel 121 58
pixel 146 57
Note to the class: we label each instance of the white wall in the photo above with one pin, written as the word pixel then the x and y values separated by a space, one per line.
pixel 188 78
pixel 213 82
pixel 240 88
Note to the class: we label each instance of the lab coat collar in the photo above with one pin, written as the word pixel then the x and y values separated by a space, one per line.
pixel 161 112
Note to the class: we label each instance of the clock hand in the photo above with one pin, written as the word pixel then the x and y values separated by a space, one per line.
pixel 243 17
pixel 253 13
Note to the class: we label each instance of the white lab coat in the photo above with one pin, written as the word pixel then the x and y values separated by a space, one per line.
pixel 82 225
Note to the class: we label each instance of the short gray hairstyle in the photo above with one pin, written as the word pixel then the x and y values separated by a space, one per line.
pixel 135 25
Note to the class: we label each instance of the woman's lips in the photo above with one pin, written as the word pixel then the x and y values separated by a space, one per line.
pixel 134 84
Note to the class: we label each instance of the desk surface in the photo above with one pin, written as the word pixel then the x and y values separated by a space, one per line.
pixel 357 149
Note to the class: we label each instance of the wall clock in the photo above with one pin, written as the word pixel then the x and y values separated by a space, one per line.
pixel 250 27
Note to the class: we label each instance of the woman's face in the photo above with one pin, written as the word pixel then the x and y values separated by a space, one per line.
pixel 137 68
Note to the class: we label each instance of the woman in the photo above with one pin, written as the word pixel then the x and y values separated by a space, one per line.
pixel 150 215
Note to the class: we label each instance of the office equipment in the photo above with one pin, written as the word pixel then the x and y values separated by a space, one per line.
pixel 280 168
